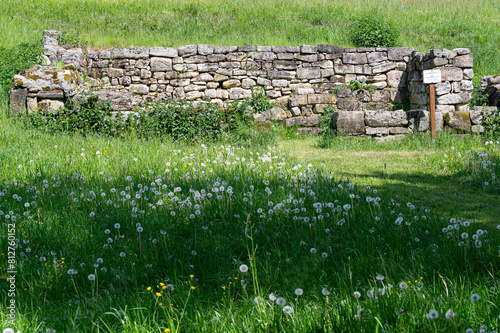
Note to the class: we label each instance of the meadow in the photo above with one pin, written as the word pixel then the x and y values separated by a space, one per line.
pixel 295 234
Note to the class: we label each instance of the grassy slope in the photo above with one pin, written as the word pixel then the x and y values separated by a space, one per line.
pixel 423 24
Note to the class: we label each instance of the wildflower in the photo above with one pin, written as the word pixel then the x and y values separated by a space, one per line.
pixel 170 287
pixel 312 250
pixel 324 255
pixel 469 330
pixel 280 301
pixel 450 314
pixel 380 277
pixel 91 277
pixel 433 314
pixel 117 225
pixel 474 298
pixel 299 292
pixel 158 294
pixel 370 293
pixel 325 292
pixel 122 254
pixel 288 309
pixel 243 268
pixel 140 229
pixel 403 285
pixel 357 294
pixel 99 260
pixel 272 297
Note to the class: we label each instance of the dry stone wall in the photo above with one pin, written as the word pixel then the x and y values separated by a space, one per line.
pixel 300 80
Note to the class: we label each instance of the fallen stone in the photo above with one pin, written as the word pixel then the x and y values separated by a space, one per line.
pixel 18 100
pixel 386 118
pixel 458 120
pixel 349 122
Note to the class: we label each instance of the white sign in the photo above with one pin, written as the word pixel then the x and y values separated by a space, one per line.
pixel 432 76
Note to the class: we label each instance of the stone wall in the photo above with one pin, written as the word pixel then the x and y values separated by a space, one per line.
pixel 492 86
pixel 300 80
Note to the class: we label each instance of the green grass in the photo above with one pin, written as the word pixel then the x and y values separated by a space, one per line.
pixel 423 25
pixel 200 251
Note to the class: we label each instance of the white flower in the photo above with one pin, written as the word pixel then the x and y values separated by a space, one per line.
pixel 433 314
pixel 312 250
pixel 122 254
pixel 243 268
pixel 469 330
pixel 117 225
pixel 450 314
pixel 324 255
pixel 170 287
pixel 299 291
pixel 99 260
pixel 280 301
pixel 288 309
pixel 91 277
pixel 272 298
pixel 140 229
pixel 325 292
pixel 475 297
pixel 380 277
pixel 357 294
pixel 9 330
pixel 370 293
pixel 403 285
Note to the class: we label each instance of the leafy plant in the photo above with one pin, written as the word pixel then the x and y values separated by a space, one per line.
pixel 480 96
pixel 328 133
pixel 16 59
pixel 371 32
pixel 491 123
pixel 360 85
pixel 259 100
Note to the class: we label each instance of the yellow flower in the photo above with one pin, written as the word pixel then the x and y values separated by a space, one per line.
pixel 167 330
pixel 191 276
pixel 193 287
pixel 148 288
pixel 158 294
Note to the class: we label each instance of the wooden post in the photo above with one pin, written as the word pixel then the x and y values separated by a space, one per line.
pixel 433 111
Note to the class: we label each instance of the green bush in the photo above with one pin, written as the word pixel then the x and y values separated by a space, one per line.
pixel 480 96
pixel 15 59
pixel 371 32
pixel 491 123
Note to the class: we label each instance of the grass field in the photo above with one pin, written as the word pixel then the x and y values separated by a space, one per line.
pixel 129 235
pixel 422 24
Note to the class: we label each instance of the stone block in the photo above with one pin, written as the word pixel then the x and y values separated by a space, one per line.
pixel 211 67
pixel 464 61
pixel 354 58
pixel 451 74
pixel 321 99
pixel 297 100
pixel 18 100
pixel 247 48
pixel 330 48
pixel 376 57
pixel 222 93
pixel 307 121
pixel 285 65
pixel 130 53
pixel 307 57
pixel 305 91
pixel 383 68
pixel 466 85
pixel 319 108
pixel 349 122
pixel 231 84
pixel 286 49
pixel 161 64
pixel 380 96
pixel 308 73
pixel 236 56
pixel 239 93
pixel 378 131
pixel 264 56
pixel 295 111
pixel 50 105
pixel 165 52
pixel 192 95
pixel 51 94
pixel 349 104
pixel 308 49
pixel 204 49
pixel 421 123
pixel 280 83
pixel 468 73
pixel 442 88
pixel 216 57
pixel 386 118
pixel 450 99
pixel 247 83
pixel 458 121
pixel 272 74
pixel 197 59
pixel 276 113
pixel 187 50
pixel 285 56
pixel 400 130
pixel 32 104
pixel 477 129
pixel 396 78
pixel 115 72
pixel 140 89
pixel 263 82
pixel 225 49
pixel 399 53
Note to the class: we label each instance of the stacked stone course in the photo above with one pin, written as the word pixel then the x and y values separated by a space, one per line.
pixel 300 80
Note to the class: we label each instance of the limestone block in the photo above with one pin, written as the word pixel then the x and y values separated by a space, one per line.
pixel 286 49
pixel 193 95
pixel 305 91
pixel 308 73
pixel 378 131
pixel 435 62
pixel 297 100
pixel 130 53
pixel 380 95
pixel 263 82
pixel 206 77
pixel 458 120
pixel 295 111
pixel 327 72
pixel 187 50
pixel 464 61
pixel 466 85
pixel 161 64
pixel 386 118
pixel 229 64
pixel 280 83
pixel 165 52
pixel 319 108
pixel 231 83
pixel 450 99
pixel 307 57
pixel 349 122
pixel 468 73
pixel 445 108
pixel 247 48
pixel 285 65
pixel 238 93
pixel 196 59
pixel 308 49
pixel 18 100
pixel 307 121
pixel 216 58
pixel 264 56
pixel 204 49
pixel 399 53
pixel 50 105
pixel 276 113
pixel 354 58
pixel 379 85
pixel 376 57
pixel 451 74
pixel 211 67
pixel 51 94
pixel 194 87
pixel 236 56
pixel 286 56
pixel 442 88
pixel 272 74
pixel 362 69
pixel 145 74
pixel 247 83
pixel 320 98
pixel 259 117
pixel 211 93
pixel 32 104
pixel 400 130
pixel 383 68
pixel 349 104
pixel 395 78
pixel 330 48
pixel 140 89
pixel 225 49
pixel 222 94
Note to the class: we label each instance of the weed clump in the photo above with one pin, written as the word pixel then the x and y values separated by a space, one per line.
pixel 372 32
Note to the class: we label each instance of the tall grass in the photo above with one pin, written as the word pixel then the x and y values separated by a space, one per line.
pixel 422 24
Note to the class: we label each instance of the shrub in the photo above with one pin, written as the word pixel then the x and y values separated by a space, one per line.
pixel 480 96
pixel 371 32
pixel 491 123
pixel 328 133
